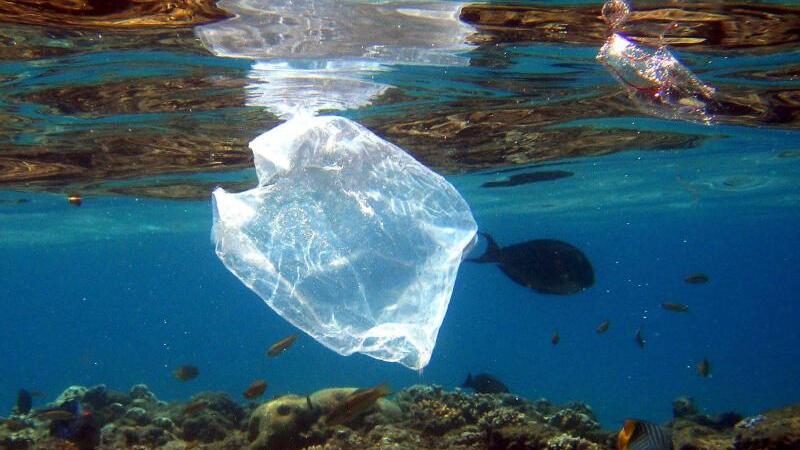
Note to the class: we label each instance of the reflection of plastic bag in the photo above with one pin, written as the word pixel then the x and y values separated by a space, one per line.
pixel 347 237
pixel 657 81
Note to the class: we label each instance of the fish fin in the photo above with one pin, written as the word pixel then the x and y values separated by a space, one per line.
pixel 492 249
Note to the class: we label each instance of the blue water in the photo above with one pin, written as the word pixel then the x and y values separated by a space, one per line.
pixel 122 290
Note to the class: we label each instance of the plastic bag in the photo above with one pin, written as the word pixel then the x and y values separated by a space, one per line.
pixel 347 237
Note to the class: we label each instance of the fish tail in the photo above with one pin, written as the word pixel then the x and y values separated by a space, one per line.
pixel 492 249
pixel 468 381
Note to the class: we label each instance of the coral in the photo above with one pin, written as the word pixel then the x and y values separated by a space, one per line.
pixel 501 417
pixel 567 442
pixel 71 393
pixel 434 416
pixel 683 406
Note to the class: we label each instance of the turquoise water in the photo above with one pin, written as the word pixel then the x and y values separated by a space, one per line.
pixel 124 289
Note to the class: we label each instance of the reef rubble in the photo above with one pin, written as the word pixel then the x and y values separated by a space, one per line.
pixel 418 417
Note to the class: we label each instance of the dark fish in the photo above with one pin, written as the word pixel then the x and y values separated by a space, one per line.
pixel 675 307
pixel 529 177
pixel 356 404
pixel 55 414
pixel 255 389
pixel 696 278
pixel 704 368
pixel 483 383
pixel 195 407
pixel 639 338
pixel 186 373
pixel 281 346
pixel 70 421
pixel 603 327
pixel 641 435
pixel 24 402
pixel 555 338
pixel 75 199
pixel 544 265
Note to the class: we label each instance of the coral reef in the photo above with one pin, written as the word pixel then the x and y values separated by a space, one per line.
pixel 418 417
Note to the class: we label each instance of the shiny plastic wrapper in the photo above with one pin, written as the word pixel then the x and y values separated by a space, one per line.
pixel 347 237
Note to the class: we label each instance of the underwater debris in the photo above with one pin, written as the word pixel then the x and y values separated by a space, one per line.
pixel 615 13
pixel 696 278
pixel 281 346
pixel 656 81
pixel 255 390
pixel 333 201
pixel 186 373
pixel 641 435
pixel 603 327
pixel 704 368
pixel 639 338
pixel 547 266
pixel 675 307
pixel 483 383
pixel 527 178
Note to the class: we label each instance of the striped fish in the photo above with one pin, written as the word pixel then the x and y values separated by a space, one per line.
pixel 641 435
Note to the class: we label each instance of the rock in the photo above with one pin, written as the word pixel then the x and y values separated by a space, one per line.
pixel 779 430
pixel 136 415
pixel 280 423
pixel 683 406
pixel 71 393
pixel 164 422
pixel 141 391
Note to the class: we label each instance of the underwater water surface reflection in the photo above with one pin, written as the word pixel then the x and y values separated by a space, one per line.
pixel 680 237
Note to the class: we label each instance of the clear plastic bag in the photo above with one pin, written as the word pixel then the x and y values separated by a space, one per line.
pixel 347 237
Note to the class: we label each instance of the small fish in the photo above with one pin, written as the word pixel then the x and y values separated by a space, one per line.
pixel 555 338
pixel 641 435
pixel 696 278
pixel 483 383
pixel 24 402
pixel 281 346
pixel 547 266
pixel 639 338
pixel 603 327
pixel 356 404
pixel 186 373
pixel 675 307
pixel 75 199
pixel 195 407
pixel 704 368
pixel 55 414
pixel 255 389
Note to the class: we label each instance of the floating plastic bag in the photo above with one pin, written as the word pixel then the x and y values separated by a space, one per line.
pixel 347 237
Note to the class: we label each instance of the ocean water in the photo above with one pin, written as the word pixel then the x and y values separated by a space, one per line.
pixel 125 288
